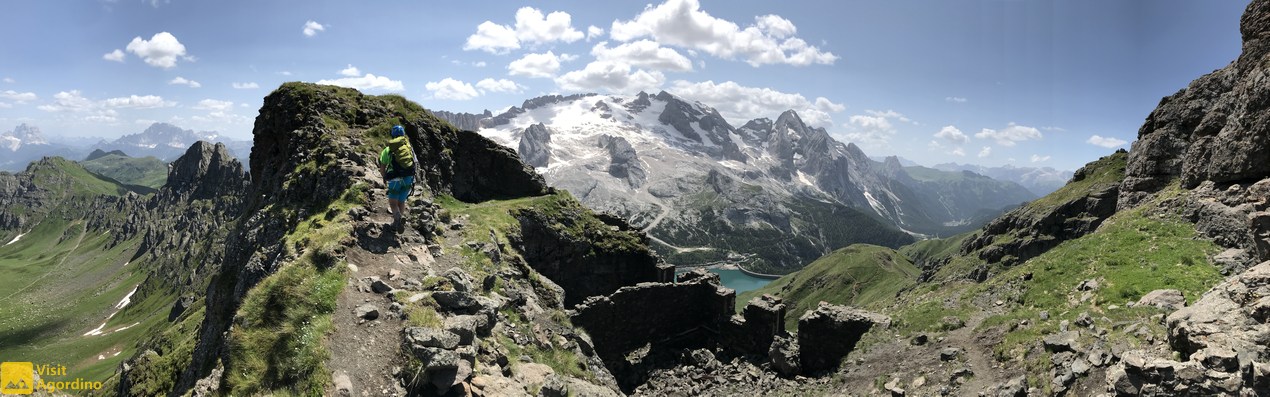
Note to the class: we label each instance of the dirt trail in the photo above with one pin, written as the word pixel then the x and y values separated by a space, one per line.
pixel 367 352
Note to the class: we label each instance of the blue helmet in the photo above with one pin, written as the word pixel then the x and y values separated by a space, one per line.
pixel 398 131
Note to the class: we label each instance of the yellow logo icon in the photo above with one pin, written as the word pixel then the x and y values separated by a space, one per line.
pixel 17 378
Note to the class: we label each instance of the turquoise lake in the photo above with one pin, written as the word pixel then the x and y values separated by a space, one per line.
pixel 739 281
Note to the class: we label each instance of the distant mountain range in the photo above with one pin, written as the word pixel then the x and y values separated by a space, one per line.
pixel 26 143
pixel 776 193
pixel 1040 181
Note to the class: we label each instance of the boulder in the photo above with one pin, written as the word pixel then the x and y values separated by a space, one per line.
pixel 1167 299
pixel 784 356
pixel 366 312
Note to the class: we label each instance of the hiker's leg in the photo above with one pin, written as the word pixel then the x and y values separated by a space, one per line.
pixel 395 205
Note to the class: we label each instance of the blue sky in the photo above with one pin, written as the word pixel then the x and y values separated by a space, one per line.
pixel 1029 83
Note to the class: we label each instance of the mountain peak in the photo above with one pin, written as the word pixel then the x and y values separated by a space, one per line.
pixel 205 170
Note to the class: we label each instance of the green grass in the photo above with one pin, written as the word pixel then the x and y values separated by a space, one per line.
pixel 142 171
pixel 278 343
pixel 1099 174
pixel 859 275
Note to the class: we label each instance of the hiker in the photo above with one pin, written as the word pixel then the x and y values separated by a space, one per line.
pixel 397 164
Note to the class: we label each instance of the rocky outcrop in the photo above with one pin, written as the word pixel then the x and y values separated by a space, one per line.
pixel 624 163
pixel 535 145
pixel 1028 231
pixel 1216 129
pixel 561 244
pixel 205 171
pixel 830 332
pixel 682 115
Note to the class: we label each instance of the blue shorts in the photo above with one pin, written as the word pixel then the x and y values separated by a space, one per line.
pixel 399 188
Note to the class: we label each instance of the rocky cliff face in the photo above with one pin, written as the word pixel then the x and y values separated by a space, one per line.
pixel 534 145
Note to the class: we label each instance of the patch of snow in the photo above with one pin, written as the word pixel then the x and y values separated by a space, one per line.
pixel 127 299
pixel 15 239
pixel 873 202
pixel 803 178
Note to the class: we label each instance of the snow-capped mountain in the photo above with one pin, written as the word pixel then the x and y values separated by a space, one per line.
pixel 1041 181
pixel 778 193
pixel 24 144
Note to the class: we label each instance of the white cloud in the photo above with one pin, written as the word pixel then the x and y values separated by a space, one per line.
pixel 535 65
pixel 6 105
pixel 1039 158
pixel 350 71
pixel 533 27
pixel 1107 142
pixel 19 97
pixel 952 134
pixel 987 151
pixel 368 82
pixel 144 121
pixel 183 81
pixel 479 64
pixel 593 32
pixel 9 80
pixel 643 54
pixel 212 104
pixel 162 50
pixel 874 128
pixel 610 76
pixel 683 23
pixel 739 104
pixel 500 85
pixel 1010 135
pixel 245 86
pixel 312 28
pixel 492 38
pixel 958 152
pixel 955 99
pixel 1052 128
pixel 139 102
pixel 449 88
pixel 285 73
pixel 114 56
pixel 68 101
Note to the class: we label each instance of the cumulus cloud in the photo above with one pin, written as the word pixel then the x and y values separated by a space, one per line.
pixel 103 111
pixel 958 152
pixel 251 85
pixel 874 128
pixel 1010 135
pixel 535 65
pixel 643 54
pixel 185 82
pixel 492 38
pixel 610 76
pixel 500 85
pixel 531 27
pixel 593 32
pixel 139 102
pixel 19 97
pixel 212 104
pixel 683 23
pixel 952 134
pixel 162 50
pixel 350 71
pixel 1039 159
pixel 114 56
pixel 1107 142
pixel 312 28
pixel 368 82
pixel 449 88
pixel 739 104
pixel 987 151
pixel 955 99
pixel 534 27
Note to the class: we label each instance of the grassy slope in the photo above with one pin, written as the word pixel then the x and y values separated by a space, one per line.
pixel 62 281
pixel 859 275
pixel 143 171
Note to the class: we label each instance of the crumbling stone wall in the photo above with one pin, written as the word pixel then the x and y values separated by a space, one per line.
pixel 647 313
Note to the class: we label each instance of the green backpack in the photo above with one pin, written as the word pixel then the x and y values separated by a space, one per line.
pixel 403 159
